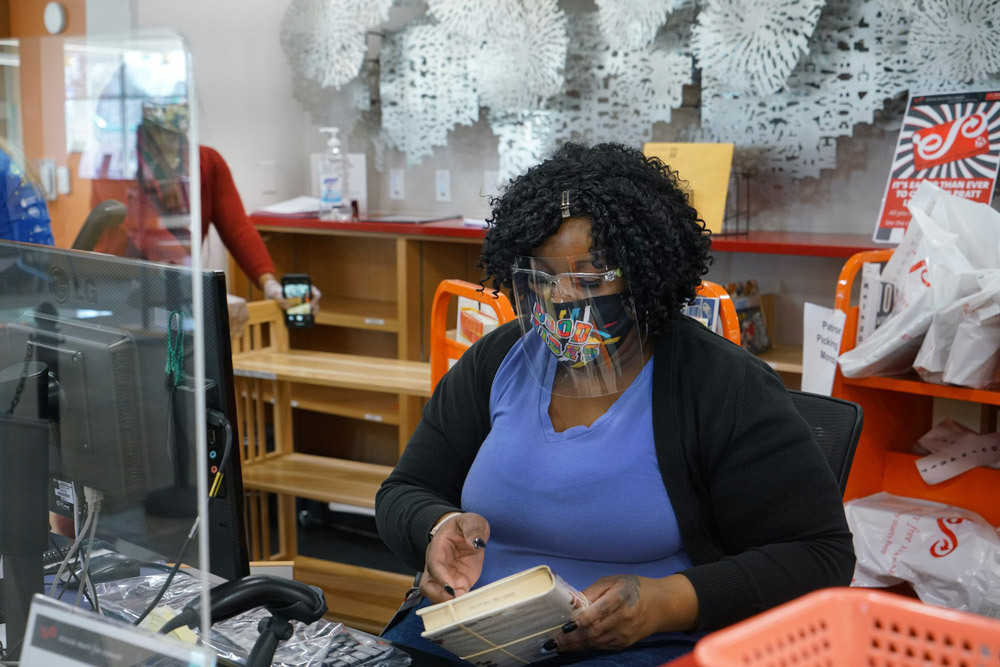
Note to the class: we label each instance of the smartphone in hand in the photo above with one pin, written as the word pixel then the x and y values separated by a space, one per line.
pixel 297 290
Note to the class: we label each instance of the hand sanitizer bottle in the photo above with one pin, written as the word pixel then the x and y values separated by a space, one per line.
pixel 333 180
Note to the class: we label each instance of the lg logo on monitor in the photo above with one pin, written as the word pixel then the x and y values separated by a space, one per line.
pixel 62 287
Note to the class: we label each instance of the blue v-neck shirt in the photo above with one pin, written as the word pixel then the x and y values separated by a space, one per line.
pixel 530 482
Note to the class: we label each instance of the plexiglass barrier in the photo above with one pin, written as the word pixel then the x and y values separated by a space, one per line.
pixel 117 413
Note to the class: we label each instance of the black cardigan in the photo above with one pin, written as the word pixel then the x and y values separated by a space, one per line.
pixel 760 513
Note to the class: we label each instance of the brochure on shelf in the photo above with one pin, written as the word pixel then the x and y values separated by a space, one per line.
pixel 705 309
pixel 949 140
pixel 704 170
pixel 822 329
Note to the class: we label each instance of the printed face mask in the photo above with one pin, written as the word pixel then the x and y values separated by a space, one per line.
pixel 578 331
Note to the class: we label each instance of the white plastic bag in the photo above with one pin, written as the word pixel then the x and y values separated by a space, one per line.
pixel 974 353
pixel 975 292
pixel 948 238
pixel 950 555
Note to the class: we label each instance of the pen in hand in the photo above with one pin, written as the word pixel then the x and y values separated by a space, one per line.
pixel 449 590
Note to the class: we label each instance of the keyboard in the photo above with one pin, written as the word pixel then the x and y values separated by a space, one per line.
pixel 347 651
pixel 53 557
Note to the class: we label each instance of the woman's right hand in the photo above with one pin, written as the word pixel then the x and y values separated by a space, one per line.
pixel 454 557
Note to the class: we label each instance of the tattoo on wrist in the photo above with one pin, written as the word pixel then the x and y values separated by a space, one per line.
pixel 630 589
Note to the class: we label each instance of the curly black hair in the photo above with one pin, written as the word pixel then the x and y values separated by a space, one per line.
pixel 638 213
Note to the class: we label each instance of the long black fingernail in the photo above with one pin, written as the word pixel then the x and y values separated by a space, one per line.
pixel 478 543
pixel 549 645
pixel 569 627
pixel 449 590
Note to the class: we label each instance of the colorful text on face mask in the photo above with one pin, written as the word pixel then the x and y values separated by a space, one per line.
pixel 566 337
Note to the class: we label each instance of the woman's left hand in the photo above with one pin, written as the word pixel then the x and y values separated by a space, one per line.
pixel 626 608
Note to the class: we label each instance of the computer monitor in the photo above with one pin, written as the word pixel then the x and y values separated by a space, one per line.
pixel 85 340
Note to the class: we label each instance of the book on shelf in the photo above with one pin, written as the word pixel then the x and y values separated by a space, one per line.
pixel 705 309
pixel 750 313
pixel 507 622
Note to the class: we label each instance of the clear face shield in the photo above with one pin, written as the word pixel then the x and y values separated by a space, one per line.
pixel 580 333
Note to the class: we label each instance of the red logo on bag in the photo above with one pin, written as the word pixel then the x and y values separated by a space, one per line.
pixel 949 542
pixel 48 631
pixel 922 267
pixel 955 140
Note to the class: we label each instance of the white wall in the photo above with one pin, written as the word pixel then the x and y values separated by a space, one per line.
pixel 246 107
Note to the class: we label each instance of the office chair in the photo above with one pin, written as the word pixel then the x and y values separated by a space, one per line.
pixel 106 215
pixel 836 426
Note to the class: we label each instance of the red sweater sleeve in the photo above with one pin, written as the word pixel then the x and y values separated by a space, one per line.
pixel 221 205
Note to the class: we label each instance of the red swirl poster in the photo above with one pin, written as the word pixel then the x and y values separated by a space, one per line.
pixel 951 140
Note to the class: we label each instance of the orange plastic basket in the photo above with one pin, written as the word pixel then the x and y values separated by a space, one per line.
pixel 854 627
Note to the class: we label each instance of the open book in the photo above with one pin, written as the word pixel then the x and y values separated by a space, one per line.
pixel 506 622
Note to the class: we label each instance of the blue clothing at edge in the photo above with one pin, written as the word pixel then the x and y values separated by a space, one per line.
pixel 23 215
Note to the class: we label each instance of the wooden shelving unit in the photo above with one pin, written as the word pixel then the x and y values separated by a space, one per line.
pixel 783 358
pixel 357 378
pixel 321 478
pixel 359 314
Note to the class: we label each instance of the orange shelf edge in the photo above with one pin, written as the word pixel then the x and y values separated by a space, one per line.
pixel 915 385
pixel 975 489
pixel 811 244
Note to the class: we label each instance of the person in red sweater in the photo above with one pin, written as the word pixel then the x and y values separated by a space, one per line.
pixel 146 231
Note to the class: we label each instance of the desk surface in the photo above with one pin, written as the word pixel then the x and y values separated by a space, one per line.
pixel 452 228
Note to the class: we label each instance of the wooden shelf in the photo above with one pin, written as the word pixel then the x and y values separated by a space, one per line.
pixel 331 369
pixel 451 229
pixel 358 314
pixel 370 406
pixel 358 597
pixel 912 384
pixel 783 358
pixel 321 478
pixel 373 407
pixel 902 479
pixel 813 244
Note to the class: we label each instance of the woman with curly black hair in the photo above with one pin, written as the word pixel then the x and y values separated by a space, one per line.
pixel 652 464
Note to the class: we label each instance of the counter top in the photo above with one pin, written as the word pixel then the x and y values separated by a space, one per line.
pixel 447 228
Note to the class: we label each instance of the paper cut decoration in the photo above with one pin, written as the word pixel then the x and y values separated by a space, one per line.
pixel 856 61
pixel 608 96
pixel 705 169
pixel 954 41
pixel 751 46
pixel 471 18
pixel 520 48
pixel 425 89
pixel 632 24
pixel 521 61
pixel 950 140
pixel 325 41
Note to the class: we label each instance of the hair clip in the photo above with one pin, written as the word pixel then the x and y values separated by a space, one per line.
pixel 565 203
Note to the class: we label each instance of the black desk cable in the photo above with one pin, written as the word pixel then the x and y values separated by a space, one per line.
pixel 214 492
pixel 285 599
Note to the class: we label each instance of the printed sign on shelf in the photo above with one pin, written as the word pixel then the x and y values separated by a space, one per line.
pixel 822 329
pixel 951 140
